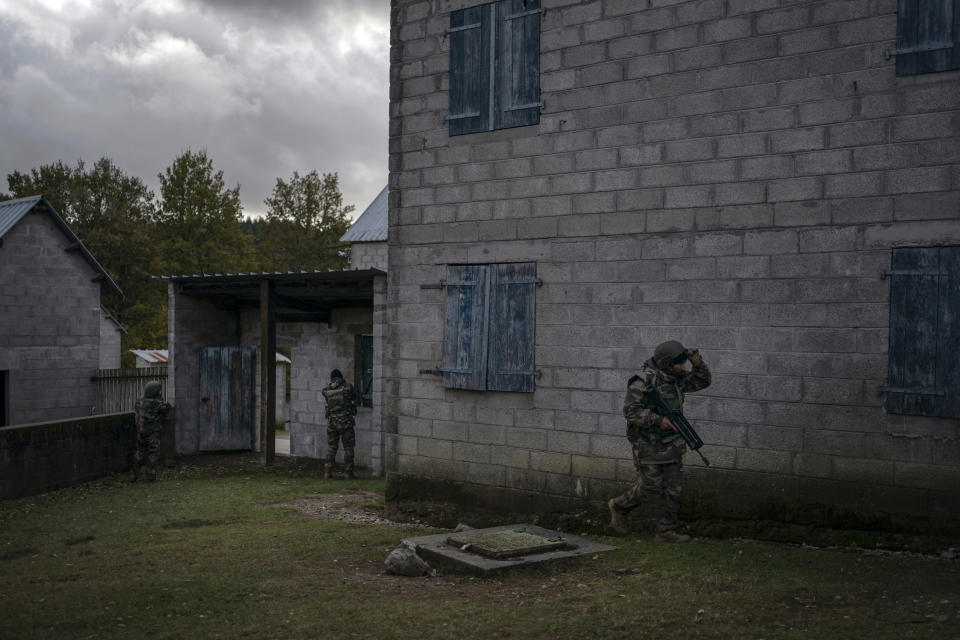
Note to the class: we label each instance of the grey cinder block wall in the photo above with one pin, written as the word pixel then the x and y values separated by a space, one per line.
pixel 368 255
pixel 730 173
pixel 49 323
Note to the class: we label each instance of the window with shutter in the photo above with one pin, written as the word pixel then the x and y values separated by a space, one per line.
pixel 928 36
pixel 465 327
pixel 512 324
pixel 494 66
pixel 924 346
pixel 489 324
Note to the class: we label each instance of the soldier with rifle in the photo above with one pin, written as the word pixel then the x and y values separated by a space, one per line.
pixel 659 435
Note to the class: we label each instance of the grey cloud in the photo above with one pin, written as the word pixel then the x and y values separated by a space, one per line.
pixel 265 90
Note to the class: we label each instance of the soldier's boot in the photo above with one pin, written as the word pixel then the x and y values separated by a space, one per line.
pixel 671 536
pixel 135 471
pixel 349 470
pixel 618 519
pixel 328 470
pixel 151 474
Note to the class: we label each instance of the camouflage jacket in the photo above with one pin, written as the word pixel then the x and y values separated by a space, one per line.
pixel 150 413
pixel 341 403
pixel 643 422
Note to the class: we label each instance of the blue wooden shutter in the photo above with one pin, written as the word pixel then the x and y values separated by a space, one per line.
pixel 948 347
pixel 512 327
pixel 465 327
pixel 914 332
pixel 927 34
pixel 517 90
pixel 470 79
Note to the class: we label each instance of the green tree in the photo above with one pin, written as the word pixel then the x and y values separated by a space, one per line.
pixel 305 219
pixel 112 214
pixel 200 219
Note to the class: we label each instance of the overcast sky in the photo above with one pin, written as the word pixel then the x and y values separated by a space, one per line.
pixel 265 86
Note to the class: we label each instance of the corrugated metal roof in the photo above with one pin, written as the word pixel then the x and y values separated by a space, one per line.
pixel 372 224
pixel 280 276
pixel 156 356
pixel 162 356
pixel 12 211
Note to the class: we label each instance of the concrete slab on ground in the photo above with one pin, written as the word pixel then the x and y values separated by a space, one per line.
pixel 440 553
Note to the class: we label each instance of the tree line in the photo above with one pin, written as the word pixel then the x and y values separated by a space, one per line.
pixel 195 226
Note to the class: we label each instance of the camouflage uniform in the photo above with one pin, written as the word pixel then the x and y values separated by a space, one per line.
pixel 341 409
pixel 151 412
pixel 658 453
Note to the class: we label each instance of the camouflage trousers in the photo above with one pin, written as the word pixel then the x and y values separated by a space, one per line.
pixel 148 446
pixel 656 480
pixel 334 436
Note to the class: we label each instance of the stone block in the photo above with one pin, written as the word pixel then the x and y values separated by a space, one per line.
pixel 830 239
pixel 770 119
pixel 568 442
pixel 764 460
pixel 822 162
pixel 799 214
pixel 670 220
pixel 776 438
pixel 430 448
pixel 798 140
pixel 630 47
pixel 809 188
pixel 742 145
pixel 770 242
pixel 921 127
pixel 718 244
pixel 740 193
pixel 684 197
pixel 749 49
pixel 863 470
pixel 593 203
pixel 641 155
pixel 470 452
pixel 727 29
pixel 917 180
pixel 743 267
pixel 550 462
pixel 687 150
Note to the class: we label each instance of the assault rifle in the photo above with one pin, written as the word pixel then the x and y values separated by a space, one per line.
pixel 684 428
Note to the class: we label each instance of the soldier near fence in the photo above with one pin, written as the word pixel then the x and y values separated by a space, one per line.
pixel 150 414
pixel 657 446
pixel 341 408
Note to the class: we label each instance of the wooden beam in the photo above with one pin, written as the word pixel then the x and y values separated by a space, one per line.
pixel 268 372
pixel 304 317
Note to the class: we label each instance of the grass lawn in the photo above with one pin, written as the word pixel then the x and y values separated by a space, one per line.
pixel 202 554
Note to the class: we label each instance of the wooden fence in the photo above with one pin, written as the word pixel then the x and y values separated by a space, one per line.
pixel 119 389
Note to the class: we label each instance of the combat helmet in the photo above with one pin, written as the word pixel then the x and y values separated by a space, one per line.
pixel 335 374
pixel 152 390
pixel 667 352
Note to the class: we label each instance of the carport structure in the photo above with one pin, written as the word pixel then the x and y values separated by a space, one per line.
pixel 225 395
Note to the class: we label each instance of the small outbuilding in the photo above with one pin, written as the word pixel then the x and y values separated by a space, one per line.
pixel 54 333
pixel 226 395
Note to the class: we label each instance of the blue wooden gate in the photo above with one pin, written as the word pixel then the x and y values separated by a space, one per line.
pixel 225 421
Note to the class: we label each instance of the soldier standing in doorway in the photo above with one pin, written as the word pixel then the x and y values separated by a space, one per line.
pixel 657 447
pixel 151 412
pixel 341 409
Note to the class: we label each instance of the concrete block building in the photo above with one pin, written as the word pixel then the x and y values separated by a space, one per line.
pixel 776 183
pixel 54 332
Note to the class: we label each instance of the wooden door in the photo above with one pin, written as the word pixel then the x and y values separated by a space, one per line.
pixel 227 399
